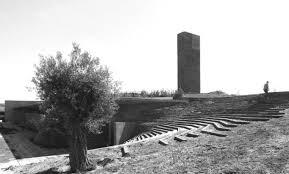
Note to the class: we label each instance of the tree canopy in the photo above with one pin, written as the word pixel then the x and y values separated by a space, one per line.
pixel 78 91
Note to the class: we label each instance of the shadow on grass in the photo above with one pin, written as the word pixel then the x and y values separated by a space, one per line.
pixel 52 171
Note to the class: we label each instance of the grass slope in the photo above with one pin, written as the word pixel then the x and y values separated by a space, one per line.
pixel 256 148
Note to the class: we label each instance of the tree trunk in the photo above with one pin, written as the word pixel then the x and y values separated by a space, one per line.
pixel 78 148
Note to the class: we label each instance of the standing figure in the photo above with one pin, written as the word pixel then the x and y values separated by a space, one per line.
pixel 266 87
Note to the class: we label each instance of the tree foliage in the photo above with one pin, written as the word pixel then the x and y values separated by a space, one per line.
pixel 78 91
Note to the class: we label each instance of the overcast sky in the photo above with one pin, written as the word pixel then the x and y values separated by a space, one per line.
pixel 243 43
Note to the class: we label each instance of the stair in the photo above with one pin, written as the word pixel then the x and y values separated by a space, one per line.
pixel 213 119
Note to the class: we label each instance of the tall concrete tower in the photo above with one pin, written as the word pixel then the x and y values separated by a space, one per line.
pixel 189 62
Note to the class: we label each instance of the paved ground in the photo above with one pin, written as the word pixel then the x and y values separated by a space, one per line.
pixel 5 153
pixel 16 147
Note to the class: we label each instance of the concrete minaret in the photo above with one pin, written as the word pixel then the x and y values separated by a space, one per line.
pixel 189 62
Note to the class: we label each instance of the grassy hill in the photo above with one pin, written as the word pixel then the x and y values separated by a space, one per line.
pixel 259 147
pixel 256 148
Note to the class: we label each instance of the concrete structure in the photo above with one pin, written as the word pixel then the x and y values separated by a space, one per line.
pixel 21 111
pixel 123 131
pixel 189 62
pixel 125 124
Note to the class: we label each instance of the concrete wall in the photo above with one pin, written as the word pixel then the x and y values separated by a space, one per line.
pixel 189 62
pixel 132 110
pixel 123 131
pixel 12 114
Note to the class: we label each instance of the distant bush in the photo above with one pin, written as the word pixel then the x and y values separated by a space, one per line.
pixel 178 94
pixel 218 92
pixel 143 93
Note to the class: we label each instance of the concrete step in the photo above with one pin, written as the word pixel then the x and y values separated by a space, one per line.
pixel 183 125
pixel 271 113
pixel 246 118
pixel 237 115
pixel 124 151
pixel 156 132
pixel 180 138
pixel 179 125
pixel 219 127
pixel 163 142
pixel 215 125
pixel 159 130
pixel 192 134
pixel 167 126
pixel 149 134
pixel 255 115
pixel 188 118
pixel 191 122
pixel 223 123
pixel 164 128
pixel 232 121
pixel 248 114
pixel 254 112
pixel 213 133
pixel 259 109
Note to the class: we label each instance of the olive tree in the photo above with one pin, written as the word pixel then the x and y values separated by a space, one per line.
pixel 80 91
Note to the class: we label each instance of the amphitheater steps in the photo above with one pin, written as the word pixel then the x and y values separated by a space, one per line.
pixel 211 122
pixel 191 134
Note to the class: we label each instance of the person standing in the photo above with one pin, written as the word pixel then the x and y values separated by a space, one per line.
pixel 266 87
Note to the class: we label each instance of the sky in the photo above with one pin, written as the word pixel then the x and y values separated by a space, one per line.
pixel 243 43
